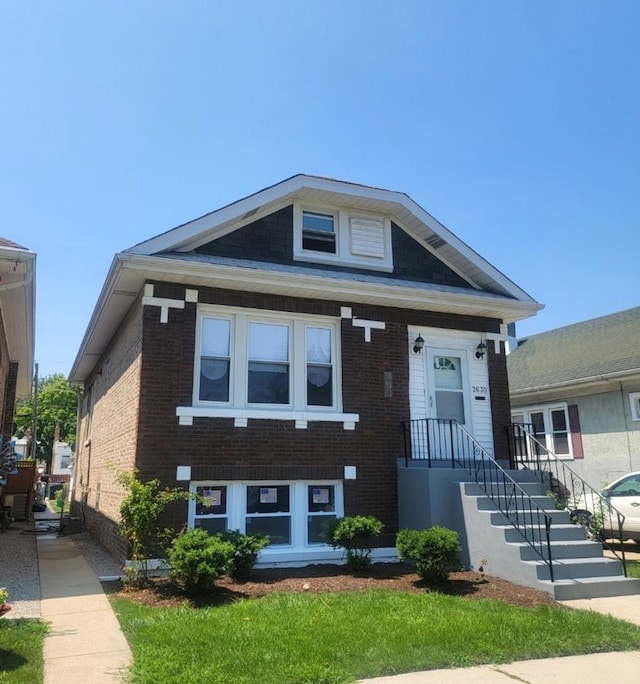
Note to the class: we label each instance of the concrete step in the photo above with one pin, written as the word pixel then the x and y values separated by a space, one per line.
pixel 531 488
pixel 568 532
pixel 577 568
pixel 591 587
pixel 529 517
pixel 569 548
pixel 519 501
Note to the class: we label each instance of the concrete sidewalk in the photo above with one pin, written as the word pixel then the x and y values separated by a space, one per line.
pixel 85 642
pixel 602 668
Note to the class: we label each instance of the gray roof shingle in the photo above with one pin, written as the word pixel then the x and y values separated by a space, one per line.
pixel 587 350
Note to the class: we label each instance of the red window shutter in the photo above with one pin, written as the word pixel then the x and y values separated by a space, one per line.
pixel 576 434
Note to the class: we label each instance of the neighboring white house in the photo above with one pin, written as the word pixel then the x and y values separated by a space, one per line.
pixel 578 388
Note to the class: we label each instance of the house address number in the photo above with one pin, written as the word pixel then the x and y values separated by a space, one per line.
pixel 480 389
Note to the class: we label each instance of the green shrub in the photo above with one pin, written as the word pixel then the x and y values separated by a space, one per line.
pixel 355 535
pixel 197 560
pixel 435 552
pixel 140 512
pixel 245 552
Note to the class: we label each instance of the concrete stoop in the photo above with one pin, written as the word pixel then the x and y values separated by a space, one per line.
pixel 580 569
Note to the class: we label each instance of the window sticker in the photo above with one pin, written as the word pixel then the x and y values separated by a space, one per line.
pixel 268 495
pixel 212 497
pixel 320 495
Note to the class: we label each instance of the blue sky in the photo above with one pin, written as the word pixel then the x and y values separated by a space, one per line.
pixel 516 124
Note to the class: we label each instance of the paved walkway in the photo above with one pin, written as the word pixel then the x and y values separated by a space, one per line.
pixel 85 642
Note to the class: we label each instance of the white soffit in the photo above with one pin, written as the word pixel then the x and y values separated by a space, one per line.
pixel 17 305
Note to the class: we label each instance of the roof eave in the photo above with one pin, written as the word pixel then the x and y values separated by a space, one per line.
pixel 576 382
pixel 183 236
pixel 17 304
pixel 129 272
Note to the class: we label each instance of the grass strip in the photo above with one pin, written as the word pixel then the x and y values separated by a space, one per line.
pixel 337 638
pixel 21 643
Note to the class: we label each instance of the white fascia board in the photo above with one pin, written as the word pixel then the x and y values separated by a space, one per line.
pixel 248 279
pixel 128 273
pixel 189 233
pixel 466 251
pixel 98 332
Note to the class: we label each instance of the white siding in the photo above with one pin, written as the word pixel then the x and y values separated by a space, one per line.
pixel 478 378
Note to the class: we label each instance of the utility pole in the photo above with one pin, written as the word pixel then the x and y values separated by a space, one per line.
pixel 34 437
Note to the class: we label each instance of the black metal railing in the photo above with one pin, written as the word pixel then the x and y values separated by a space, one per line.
pixel 447 443
pixel 586 505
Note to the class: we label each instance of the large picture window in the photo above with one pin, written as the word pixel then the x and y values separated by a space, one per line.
pixel 292 514
pixel 249 358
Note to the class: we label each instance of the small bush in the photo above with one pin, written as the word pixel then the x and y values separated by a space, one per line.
pixel 197 560
pixel 355 535
pixel 435 552
pixel 246 549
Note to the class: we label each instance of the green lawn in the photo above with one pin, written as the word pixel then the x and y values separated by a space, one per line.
pixel 21 651
pixel 335 638
pixel 633 568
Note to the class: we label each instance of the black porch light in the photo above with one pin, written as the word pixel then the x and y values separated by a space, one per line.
pixel 481 350
pixel 418 343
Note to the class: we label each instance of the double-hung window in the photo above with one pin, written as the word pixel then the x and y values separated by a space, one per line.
pixel 318 232
pixel 549 425
pixel 268 380
pixel 248 358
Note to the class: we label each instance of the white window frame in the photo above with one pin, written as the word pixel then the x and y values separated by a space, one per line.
pixel 343 253
pixel 634 400
pixel 236 497
pixel 238 406
pixel 546 410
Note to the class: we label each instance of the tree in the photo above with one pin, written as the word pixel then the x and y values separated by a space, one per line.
pixel 57 406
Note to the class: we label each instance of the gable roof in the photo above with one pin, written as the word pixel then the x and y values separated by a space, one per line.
pixel 171 257
pixel 17 307
pixel 404 211
pixel 592 351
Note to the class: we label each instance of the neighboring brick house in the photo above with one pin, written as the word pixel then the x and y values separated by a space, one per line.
pixel 264 356
pixel 578 387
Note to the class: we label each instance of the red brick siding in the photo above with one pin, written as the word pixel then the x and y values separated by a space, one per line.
pixel 109 447
pixel 271 450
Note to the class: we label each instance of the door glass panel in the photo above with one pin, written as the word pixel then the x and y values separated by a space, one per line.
pixel 449 396
pixel 448 372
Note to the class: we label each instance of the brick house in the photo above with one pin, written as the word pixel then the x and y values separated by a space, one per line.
pixel 266 354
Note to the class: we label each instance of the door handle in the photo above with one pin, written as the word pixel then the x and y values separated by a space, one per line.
pixel 635 504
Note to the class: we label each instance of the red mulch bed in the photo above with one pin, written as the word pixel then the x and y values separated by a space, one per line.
pixel 333 578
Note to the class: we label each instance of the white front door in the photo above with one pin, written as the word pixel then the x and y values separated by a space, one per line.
pixel 447 385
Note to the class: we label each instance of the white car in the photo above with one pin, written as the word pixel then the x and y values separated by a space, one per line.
pixel 622 495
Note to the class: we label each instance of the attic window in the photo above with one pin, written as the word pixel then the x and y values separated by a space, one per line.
pixel 318 232
pixel 330 234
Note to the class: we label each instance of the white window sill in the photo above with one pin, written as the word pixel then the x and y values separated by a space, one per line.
pixel 186 414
